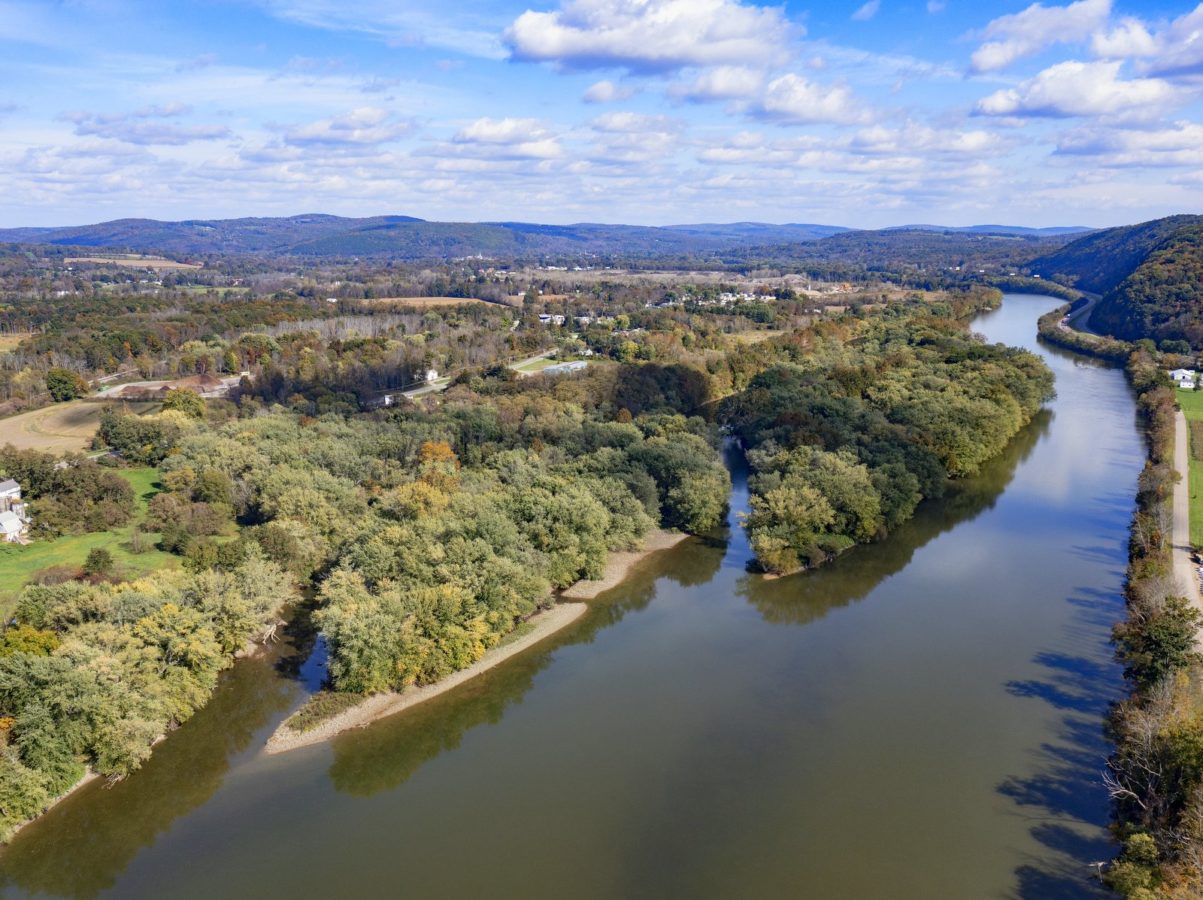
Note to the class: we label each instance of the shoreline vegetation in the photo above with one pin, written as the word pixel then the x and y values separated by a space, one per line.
pixel 364 710
pixel 1154 777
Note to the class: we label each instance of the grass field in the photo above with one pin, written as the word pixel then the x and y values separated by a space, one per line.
pixel 535 366
pixel 18 564
pixel 427 301
pixel 62 428
pixel 10 340
pixel 1192 407
pixel 138 262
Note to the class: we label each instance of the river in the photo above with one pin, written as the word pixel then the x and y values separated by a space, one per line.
pixel 921 719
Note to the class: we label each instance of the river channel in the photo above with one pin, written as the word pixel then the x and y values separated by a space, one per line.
pixel 921 719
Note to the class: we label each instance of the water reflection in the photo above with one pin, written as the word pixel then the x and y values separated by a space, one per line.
pixel 385 755
pixel 809 596
pixel 81 847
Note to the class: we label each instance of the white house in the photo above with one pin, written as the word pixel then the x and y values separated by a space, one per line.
pixel 1185 378
pixel 11 527
pixel 432 375
pixel 14 520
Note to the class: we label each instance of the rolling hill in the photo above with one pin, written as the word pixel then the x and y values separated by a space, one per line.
pixel 404 237
pixel 1150 277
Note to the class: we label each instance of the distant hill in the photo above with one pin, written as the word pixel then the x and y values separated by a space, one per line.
pixel 1016 230
pixel 1099 261
pixel 404 237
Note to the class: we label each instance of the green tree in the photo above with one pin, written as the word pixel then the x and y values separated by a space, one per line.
pixel 64 384
pixel 188 402
pixel 98 562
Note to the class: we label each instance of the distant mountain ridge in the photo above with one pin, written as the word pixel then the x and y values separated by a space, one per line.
pixel 1150 276
pixel 406 237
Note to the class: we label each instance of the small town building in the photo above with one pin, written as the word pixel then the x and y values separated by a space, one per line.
pixel 565 368
pixel 1185 378
pixel 14 517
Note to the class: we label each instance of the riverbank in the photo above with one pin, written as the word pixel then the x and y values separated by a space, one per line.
pixel 619 565
pixel 1184 568
pixel 378 706
pixel 545 624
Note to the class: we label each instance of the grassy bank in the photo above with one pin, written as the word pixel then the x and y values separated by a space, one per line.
pixel 19 564
pixel 1191 403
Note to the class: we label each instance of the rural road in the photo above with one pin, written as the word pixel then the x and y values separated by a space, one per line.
pixel 1184 569
pixel 442 384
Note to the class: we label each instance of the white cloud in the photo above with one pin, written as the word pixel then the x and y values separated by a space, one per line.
pixel 1035 28
pixel 1178 145
pixel 1128 39
pixel 935 6
pixel 650 35
pixel 1179 52
pixel 509 138
pixel 794 99
pixel 143 126
pixel 634 123
pixel 721 83
pixel 1082 89
pixel 607 92
pixel 364 126
pixel 867 12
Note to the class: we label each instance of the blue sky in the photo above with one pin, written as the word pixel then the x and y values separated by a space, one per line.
pixel 643 111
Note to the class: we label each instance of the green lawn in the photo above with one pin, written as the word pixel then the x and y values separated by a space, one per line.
pixel 1192 406
pixel 537 366
pixel 18 564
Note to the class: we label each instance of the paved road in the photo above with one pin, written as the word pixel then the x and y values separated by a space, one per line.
pixel 1184 569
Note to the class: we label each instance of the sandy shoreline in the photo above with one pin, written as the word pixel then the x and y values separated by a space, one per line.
pixel 619 565
pixel 380 705
pixel 547 623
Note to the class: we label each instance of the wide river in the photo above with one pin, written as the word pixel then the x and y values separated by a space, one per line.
pixel 922 719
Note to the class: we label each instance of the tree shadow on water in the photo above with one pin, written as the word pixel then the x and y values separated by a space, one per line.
pixel 1063 795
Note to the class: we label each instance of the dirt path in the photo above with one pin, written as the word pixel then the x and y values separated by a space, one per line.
pixel 1184 569
pixel 380 705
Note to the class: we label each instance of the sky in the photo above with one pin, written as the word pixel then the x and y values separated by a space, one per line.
pixel 872 114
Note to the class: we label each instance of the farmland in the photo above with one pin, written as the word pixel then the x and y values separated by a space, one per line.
pixel 62 428
pixel 137 262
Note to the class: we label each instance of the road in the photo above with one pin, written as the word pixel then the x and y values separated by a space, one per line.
pixel 1184 568
pixel 441 384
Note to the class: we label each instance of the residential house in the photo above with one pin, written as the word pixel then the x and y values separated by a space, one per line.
pixel 14 518
pixel 1185 378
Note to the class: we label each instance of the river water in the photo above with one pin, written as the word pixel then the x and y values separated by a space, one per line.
pixel 921 719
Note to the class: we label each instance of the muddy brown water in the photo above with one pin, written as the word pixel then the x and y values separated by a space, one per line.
pixel 921 719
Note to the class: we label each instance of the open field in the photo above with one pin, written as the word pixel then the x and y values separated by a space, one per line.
pixel 535 365
pixel 427 301
pixel 1192 407
pixel 62 428
pixel 137 262
pixel 20 563
pixel 10 340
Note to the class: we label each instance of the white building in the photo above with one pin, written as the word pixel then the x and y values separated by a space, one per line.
pixel 432 375
pixel 14 520
pixel 1185 378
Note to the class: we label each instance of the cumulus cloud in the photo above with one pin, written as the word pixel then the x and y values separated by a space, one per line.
pixel 796 100
pixel 1179 48
pixel 607 92
pixel 721 83
pixel 145 126
pixel 867 12
pixel 364 126
pixel 1128 39
pixel 649 35
pixel 1178 145
pixel 1021 34
pixel 1081 89
pixel 509 138
pixel 633 123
